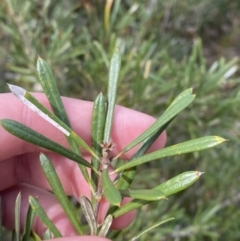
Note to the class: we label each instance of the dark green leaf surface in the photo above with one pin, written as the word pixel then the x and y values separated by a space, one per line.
pixel 112 91
pixel 58 190
pixel 27 134
pixel 37 208
pixel 178 149
pixel 50 89
pixel 111 193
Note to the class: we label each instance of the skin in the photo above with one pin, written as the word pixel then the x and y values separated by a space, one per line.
pixel 20 170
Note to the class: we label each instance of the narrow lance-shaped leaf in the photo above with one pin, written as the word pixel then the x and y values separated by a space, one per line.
pixel 89 214
pixel 50 89
pixel 98 122
pixel 17 217
pixel 28 224
pixel 170 187
pixel 58 190
pixel 180 103
pixel 106 226
pixel 27 134
pixel 178 149
pixel 112 90
pixel 38 209
pixel 144 194
pixel 111 193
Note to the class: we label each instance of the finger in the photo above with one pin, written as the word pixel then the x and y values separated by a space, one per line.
pixel 46 199
pixel 127 124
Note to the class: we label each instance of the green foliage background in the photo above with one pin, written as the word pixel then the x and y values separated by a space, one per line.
pixel 167 46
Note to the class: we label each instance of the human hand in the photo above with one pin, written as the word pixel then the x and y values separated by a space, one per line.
pixel 20 170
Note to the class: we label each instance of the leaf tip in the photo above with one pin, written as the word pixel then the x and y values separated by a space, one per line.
pixel 17 91
pixel 220 139
pixel 200 173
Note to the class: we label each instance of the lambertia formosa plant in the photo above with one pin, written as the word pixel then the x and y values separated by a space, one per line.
pixel 99 180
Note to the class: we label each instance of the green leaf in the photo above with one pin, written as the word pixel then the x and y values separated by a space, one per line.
pixel 98 122
pixel 27 134
pixel 28 224
pixel 50 89
pixel 181 102
pixel 105 226
pixel 172 186
pixel 112 90
pixel 89 214
pixel 58 190
pixel 111 193
pixel 17 217
pixel 179 183
pixel 152 227
pixel 178 149
pixel 144 194
pixel 38 209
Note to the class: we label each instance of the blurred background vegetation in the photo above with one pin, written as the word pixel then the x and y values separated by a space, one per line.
pixel 167 46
